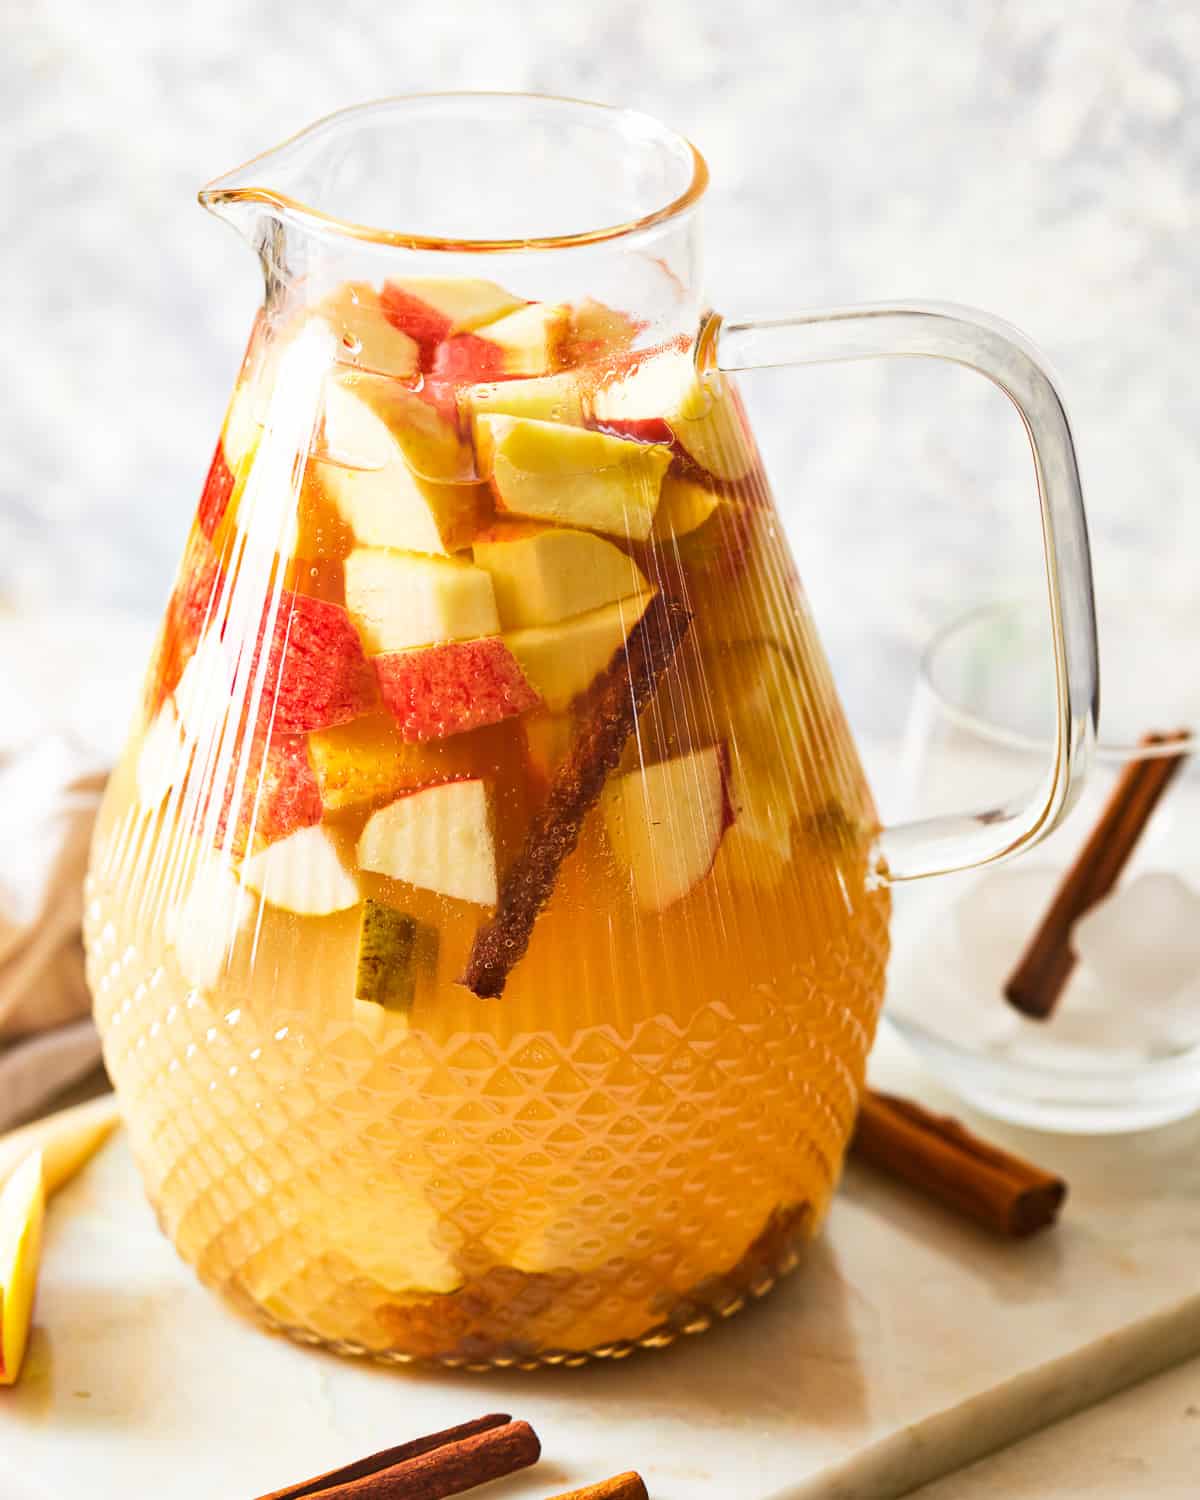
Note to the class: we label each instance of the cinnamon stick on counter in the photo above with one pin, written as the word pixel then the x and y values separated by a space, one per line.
pixel 614 702
pixel 943 1159
pixel 429 1468
pixel 1044 968
pixel 628 1486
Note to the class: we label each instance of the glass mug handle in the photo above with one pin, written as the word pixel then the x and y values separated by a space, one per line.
pixel 965 336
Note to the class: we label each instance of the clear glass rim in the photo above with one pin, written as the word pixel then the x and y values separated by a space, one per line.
pixel 1112 751
pixel 221 192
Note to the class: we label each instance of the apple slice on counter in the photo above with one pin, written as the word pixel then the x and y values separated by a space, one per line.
pixel 391 948
pixel 684 507
pixel 205 927
pixel 399 600
pixel 662 396
pixel 67 1141
pixel 302 873
pixel 562 660
pixel 22 1212
pixel 545 398
pixel 396 469
pixel 571 476
pixel 439 838
pixel 432 308
pixel 368 339
pixel 443 690
pixel 665 823
pixel 544 574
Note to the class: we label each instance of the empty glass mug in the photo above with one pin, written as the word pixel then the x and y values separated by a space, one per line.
pixel 488 919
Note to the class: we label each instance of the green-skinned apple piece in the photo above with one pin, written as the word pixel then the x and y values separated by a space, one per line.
pixel 389 947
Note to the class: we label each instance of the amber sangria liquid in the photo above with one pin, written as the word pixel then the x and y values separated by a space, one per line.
pixel 482 923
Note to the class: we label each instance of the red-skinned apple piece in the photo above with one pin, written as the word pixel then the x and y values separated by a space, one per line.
pixel 659 397
pixel 453 687
pixel 432 308
pixel 316 673
pixel 278 795
pixel 214 498
pixel 665 823
pixel 193 602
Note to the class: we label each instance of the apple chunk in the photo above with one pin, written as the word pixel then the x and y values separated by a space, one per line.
pixel 399 600
pixel 316 674
pixel 450 688
pixel 545 398
pixel 396 468
pixel 390 944
pixel 369 340
pixel 665 823
pixel 439 838
pixel 432 308
pixel 703 416
pixel 543 575
pixel 571 476
pixel 684 507
pixel 562 660
pixel 22 1211
pixel 528 339
pixel 302 873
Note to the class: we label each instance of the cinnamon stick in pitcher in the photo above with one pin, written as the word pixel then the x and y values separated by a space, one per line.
pixel 1045 966
pixel 614 702
pixel 944 1160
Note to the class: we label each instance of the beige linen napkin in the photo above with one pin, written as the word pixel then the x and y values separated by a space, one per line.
pixel 49 792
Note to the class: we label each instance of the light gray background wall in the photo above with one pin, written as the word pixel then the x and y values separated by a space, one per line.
pixel 1041 159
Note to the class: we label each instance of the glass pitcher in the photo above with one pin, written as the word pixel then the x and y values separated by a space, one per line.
pixel 488 919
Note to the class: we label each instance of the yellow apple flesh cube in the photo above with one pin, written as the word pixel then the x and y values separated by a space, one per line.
pixel 703 415
pixel 302 873
pixel 573 477
pixel 684 507
pixel 548 398
pixel 22 1211
pixel 464 302
pixel 66 1140
pixel 368 341
pixel 398 599
pixel 562 660
pixel 665 824
pixel 528 337
pixel 552 574
pixel 438 838
pixel 401 478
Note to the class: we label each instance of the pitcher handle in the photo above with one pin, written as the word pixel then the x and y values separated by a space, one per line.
pixel 965 336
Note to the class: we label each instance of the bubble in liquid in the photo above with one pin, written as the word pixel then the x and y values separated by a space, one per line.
pixel 352 344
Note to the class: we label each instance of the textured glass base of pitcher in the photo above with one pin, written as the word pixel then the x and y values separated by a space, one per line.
pixel 774 1254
